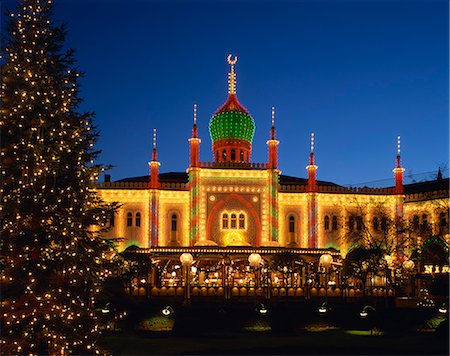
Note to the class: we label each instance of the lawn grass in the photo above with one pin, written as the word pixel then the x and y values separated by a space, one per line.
pixel 329 342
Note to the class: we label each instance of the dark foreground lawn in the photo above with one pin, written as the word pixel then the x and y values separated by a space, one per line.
pixel 285 329
pixel 331 342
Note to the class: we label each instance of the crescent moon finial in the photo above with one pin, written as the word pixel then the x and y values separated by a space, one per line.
pixel 232 61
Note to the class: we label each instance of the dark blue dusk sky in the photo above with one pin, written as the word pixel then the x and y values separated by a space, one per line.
pixel 356 73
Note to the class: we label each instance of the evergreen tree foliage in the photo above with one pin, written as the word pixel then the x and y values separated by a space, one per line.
pixel 52 258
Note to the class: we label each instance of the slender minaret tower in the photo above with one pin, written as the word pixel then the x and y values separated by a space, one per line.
pixel 194 183
pixel 398 190
pixel 154 193
pixel 272 144
pixel 312 188
pixel 194 143
pixel 274 177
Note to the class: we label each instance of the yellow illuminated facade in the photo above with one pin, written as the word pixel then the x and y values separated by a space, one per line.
pixel 232 201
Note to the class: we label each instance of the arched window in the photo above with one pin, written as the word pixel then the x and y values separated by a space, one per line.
pixel 425 220
pixel 217 156
pixel 225 221
pixel 111 218
pixel 138 219
pixel 233 222
pixel 416 222
pixel 241 221
pixel 233 154
pixel 291 223
pixel 384 223
pixel 351 223
pixel 376 224
pixel 359 223
pixel 129 219
pixel 334 223
pixel 327 222
pixel 241 156
pixel 224 155
pixel 174 222
pixel 442 220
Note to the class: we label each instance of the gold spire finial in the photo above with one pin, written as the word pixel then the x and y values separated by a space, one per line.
pixel 312 142
pixel 232 75
pixel 154 138
pixel 398 145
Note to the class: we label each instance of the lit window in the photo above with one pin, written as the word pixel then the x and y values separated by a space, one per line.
pixel 225 221
pixel 217 156
pixel 241 221
pixel 327 222
pixel 334 223
pixel 233 222
pixel 138 219
pixel 376 224
pixel 129 219
pixel 291 223
pixel 174 222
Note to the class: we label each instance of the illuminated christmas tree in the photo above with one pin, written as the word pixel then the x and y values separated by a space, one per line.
pixel 53 261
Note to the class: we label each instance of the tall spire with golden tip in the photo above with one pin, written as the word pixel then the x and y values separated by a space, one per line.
pixel 232 75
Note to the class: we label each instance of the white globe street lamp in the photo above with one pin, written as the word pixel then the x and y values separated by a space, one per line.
pixel 254 259
pixel 326 260
pixel 186 260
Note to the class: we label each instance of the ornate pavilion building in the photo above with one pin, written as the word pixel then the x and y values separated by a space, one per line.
pixel 232 206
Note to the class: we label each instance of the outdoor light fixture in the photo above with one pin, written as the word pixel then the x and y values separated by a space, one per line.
pixel 186 259
pixel 443 309
pixel 194 269
pixel 323 309
pixel 254 259
pixel 326 260
pixel 262 309
pixel 408 265
pixel 143 280
pixel 364 313
pixel 167 310
pixel 105 309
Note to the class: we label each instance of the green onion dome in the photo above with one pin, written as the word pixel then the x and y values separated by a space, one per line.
pixel 232 121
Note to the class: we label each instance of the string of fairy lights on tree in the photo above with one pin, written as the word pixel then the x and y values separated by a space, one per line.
pixel 53 261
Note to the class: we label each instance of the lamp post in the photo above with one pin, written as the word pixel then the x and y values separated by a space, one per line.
pixel 325 261
pixel 186 260
pixel 255 260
